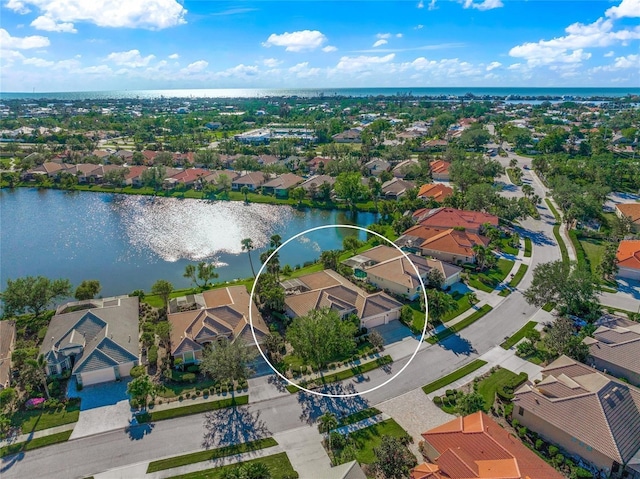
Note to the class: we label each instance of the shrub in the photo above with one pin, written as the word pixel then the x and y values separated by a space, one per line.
pixel 437 400
pixel 188 377
pixel 558 459
pixel 188 395
pixel 450 392
pixel 539 444
pixel 553 450
pixel 515 423
pixel 338 441
pixel 180 398
pixel 194 368
pixel 35 403
pixel 136 371
pixel 152 355
pixel 581 473
pixel 522 432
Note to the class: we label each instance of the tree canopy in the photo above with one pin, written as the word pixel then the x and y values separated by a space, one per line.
pixel 88 289
pixel 33 294
pixel 228 361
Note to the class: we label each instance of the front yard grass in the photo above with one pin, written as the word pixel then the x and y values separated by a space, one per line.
pixel 365 440
pixel 454 376
pixel 37 420
pixel 488 386
pixel 418 316
pixel 468 321
pixel 489 280
pixel 528 247
pixel 192 409
pixel 522 270
pixel 35 443
pixel 210 454
pixel 358 416
pixel 518 335
pixel 278 464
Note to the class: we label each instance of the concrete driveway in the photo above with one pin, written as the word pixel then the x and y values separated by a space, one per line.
pixel 104 407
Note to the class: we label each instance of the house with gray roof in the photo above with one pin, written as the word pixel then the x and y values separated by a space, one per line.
pixel 587 413
pixel 96 339
pixel 616 350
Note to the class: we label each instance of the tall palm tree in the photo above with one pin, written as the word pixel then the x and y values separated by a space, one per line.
pixel 245 191
pixel 247 245
pixel 326 423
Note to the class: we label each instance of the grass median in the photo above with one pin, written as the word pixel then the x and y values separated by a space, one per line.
pixel 198 408
pixel 528 247
pixel 210 455
pixel 358 416
pixel 468 321
pixel 522 270
pixel 518 335
pixel 35 443
pixel 278 464
pixel 454 376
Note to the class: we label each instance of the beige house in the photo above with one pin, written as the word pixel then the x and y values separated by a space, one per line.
pixel 7 343
pixel 631 211
pixel 616 351
pixel 587 413
pixel 328 289
pixel 96 339
pixel 198 320
pixel 628 259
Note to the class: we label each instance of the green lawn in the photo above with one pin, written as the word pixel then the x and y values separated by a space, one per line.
pixel 512 178
pixel 463 305
pixel 488 386
pixel 528 247
pixel 278 464
pixel 522 270
pixel 518 335
pixel 505 246
pixel 37 420
pixel 293 362
pixel 210 454
pixel 365 440
pixel 192 409
pixel 419 316
pixel 35 443
pixel 488 280
pixel 358 416
pixel 454 376
pixel 468 321
pixel 549 307
pixel 593 249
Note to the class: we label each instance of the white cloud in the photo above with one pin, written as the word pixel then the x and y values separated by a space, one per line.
pixel 329 49
pixel 38 62
pixel 361 63
pixel 379 43
pixel 22 43
pixel 271 62
pixel 96 70
pixel 149 14
pixel 627 8
pixel 570 48
pixel 195 67
pixel 49 25
pixel 302 40
pixel 630 61
pixel 418 27
pixel 383 36
pixel 443 68
pixel 484 5
pixel 515 66
pixel 432 5
pixel 239 71
pixel 493 66
pixel 302 70
pixel 420 4
pixel 17 6
pixel 174 56
pixel 131 59
pixel 609 54
pixel 398 35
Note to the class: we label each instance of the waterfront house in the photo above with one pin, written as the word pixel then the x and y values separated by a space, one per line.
pixel 475 446
pixel 314 164
pixel 191 177
pixel 198 320
pixel 471 221
pixel 435 191
pixel 134 175
pixel 281 185
pixel 214 175
pixel 376 166
pixel 616 350
pixel 252 180
pixel 7 344
pixel 48 168
pixel 586 413
pixel 96 339
pixel 396 188
pixel 329 289
pixel 628 259
pixel 446 244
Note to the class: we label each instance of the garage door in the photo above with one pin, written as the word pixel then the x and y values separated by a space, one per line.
pixel 375 321
pixel 99 376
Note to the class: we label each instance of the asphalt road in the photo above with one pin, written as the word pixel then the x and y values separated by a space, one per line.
pixel 91 455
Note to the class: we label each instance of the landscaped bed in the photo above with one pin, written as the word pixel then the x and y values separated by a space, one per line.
pixel 518 335
pixel 488 280
pixel 37 420
pixel 198 408
pixel 278 464
pixel 528 247
pixel 468 321
pixel 522 270
pixel 367 439
pixel 210 454
pixel 454 376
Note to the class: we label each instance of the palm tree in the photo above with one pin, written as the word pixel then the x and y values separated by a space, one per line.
pixel 276 241
pixel 481 253
pixel 245 191
pixel 40 368
pixel 326 423
pixel 247 245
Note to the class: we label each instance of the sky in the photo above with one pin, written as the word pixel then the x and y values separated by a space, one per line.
pixel 93 45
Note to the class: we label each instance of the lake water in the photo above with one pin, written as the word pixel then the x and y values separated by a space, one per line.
pixel 128 242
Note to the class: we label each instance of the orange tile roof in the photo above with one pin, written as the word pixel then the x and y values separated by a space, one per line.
pixel 439 166
pixel 447 239
pixel 477 447
pixel 628 254
pixel 451 218
pixel 436 191
pixel 632 210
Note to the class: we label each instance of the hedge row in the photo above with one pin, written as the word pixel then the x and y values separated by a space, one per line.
pixel 505 391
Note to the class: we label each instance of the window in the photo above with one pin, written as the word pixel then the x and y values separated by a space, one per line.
pixel 521 411
pixel 188 356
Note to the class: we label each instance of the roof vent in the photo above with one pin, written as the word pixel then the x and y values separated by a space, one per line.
pixel 615 389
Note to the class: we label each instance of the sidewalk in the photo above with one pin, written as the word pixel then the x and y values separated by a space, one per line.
pixel 37 434
pixel 356 426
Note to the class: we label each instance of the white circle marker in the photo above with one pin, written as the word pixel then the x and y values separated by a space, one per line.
pixel 318 393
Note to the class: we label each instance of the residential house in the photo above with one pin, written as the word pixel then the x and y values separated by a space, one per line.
pixel 353 135
pixel 191 177
pixel 475 446
pixel 48 168
pixel 312 185
pixel 96 339
pixel 184 160
pixel 628 259
pixel 97 174
pixel 376 166
pixel 252 180
pixel 7 343
pixel 314 164
pixel 616 350
pixel 265 160
pixel 134 176
pixel 328 289
pixel 631 211
pixel 445 244
pixel 149 156
pixel 404 167
pixel 281 185
pixel 396 188
pixel 471 221
pixel 82 171
pixel 198 320
pixel 125 155
pixel 435 191
pixel 440 170
pixel 214 175
pixel 434 145
pixel 585 412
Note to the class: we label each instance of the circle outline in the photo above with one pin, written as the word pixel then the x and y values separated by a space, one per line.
pixel 329 395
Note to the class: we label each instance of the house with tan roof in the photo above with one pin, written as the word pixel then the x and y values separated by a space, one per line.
pixel 313 183
pixel 471 221
pixel 631 211
pixel 396 188
pixel 404 167
pixel 96 339
pixel 281 185
pixel 628 259
pixel 198 320
pixel 585 412
pixel 214 176
pixel 440 170
pixel 48 168
pixel 252 180
pixel 193 177
pixel 376 166
pixel 476 447
pixel 435 191
pixel 616 351
pixel 331 290
pixel 7 343
pixel 446 244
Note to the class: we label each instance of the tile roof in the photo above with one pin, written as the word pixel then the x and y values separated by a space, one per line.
pixel 451 218
pixel 609 409
pixel 475 446
pixel 631 210
pixel 225 313
pixel 617 345
pixel 318 180
pixel 444 239
pixel 396 186
pixel 251 178
pixel 628 254
pixel 135 171
pixel 401 271
pixel 440 166
pixel 7 341
pixel 190 175
pixel 437 191
pixel 284 182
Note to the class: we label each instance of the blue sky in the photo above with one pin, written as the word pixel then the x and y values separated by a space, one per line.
pixel 69 45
